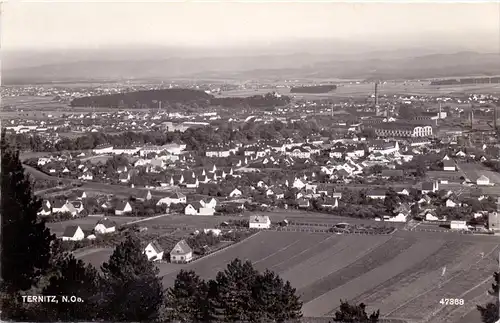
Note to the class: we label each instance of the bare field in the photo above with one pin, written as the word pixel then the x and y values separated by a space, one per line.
pixel 400 274
pixel 390 88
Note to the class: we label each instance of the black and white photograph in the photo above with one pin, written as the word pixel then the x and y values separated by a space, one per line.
pixel 250 161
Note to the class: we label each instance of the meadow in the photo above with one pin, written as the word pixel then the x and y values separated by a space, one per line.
pixel 347 90
pixel 404 276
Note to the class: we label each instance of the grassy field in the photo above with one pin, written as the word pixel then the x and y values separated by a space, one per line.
pixel 390 88
pixel 475 170
pixel 401 274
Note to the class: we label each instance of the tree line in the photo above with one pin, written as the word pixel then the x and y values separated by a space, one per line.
pixel 198 139
pixel 172 98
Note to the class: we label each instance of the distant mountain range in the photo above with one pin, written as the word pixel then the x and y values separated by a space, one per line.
pixel 383 65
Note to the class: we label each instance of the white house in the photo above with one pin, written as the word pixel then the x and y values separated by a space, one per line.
pixel 105 226
pixel 122 208
pixel 181 253
pixel 483 180
pixel 212 203
pixel 235 193
pixel 153 251
pixel 401 217
pixel 428 187
pixel 87 176
pixel 73 233
pixel 376 195
pixel 173 198
pixel 449 165
pixel 458 225
pixel 450 203
pixel 259 222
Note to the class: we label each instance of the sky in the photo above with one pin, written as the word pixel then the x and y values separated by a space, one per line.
pixel 49 25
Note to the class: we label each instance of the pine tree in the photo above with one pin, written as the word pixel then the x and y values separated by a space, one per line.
pixel 348 313
pixel 187 300
pixel 489 312
pixel 233 292
pixel 73 278
pixel 275 299
pixel 132 291
pixel 25 254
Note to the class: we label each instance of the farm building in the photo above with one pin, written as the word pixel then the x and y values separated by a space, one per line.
pixel 73 233
pixel 483 180
pixel 458 225
pixel 428 187
pixel 122 208
pixel 376 194
pixel 259 222
pixel 105 226
pixel 449 165
pixel 494 221
pixel 181 253
pixel 145 196
pixel 153 251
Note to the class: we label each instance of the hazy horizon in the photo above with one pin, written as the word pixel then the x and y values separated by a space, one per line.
pixel 92 26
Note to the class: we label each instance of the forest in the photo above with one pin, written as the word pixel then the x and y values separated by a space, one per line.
pixel 313 89
pixel 168 97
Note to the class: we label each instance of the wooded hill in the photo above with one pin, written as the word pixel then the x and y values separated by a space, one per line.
pixel 150 99
pixel 313 89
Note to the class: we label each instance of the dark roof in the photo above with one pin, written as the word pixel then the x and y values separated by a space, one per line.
pixel 70 230
pixel 392 172
pixel 375 193
pixel 157 248
pixel 107 223
pixel 428 186
pixel 121 205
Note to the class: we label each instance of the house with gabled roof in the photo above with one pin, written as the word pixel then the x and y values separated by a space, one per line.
pixel 430 187
pixel 123 207
pixel 303 203
pixel 44 211
pixel 145 196
pixel 154 251
pixel 124 177
pixel 79 194
pixel 235 193
pixel 105 226
pixel 73 233
pixel 259 222
pixel 209 202
pixel 172 198
pixel 192 183
pixel 449 165
pixel 181 252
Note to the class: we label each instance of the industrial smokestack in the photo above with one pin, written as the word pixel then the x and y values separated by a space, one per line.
pixel 376 94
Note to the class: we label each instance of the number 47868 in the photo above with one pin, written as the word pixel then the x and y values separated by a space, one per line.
pixel 452 301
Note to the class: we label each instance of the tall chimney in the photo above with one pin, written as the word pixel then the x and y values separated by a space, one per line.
pixel 495 117
pixel 376 93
